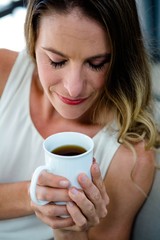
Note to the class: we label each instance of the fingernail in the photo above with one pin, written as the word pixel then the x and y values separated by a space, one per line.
pixel 64 183
pixel 74 191
pixel 96 167
pixel 94 160
pixel 84 178
pixel 70 204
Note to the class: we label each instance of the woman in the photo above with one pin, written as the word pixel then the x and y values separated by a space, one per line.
pixel 85 70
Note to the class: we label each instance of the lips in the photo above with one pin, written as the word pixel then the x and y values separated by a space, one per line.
pixel 71 101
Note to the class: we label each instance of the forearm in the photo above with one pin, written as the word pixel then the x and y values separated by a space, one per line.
pixel 69 235
pixel 14 200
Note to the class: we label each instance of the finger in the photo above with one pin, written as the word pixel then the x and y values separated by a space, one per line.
pixel 51 180
pixel 98 181
pixel 93 193
pixel 53 215
pixel 86 207
pixel 56 222
pixel 77 216
pixel 51 210
pixel 52 194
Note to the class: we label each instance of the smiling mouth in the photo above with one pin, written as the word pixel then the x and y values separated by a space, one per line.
pixel 71 101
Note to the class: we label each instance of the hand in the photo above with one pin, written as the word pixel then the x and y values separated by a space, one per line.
pixel 88 206
pixel 52 188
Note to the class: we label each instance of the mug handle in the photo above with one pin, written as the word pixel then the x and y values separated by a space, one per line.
pixel 32 189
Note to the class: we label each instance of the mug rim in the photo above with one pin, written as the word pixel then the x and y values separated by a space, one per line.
pixel 71 133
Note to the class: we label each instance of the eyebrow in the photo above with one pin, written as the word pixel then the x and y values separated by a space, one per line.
pixel 107 56
pixel 54 51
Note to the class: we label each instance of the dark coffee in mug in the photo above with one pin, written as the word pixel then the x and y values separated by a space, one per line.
pixel 69 150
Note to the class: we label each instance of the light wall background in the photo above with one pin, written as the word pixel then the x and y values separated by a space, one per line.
pixel 12 30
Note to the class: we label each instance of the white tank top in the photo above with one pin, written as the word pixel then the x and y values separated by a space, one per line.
pixel 21 147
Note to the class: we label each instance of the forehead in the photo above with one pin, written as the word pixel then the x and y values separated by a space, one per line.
pixel 66 30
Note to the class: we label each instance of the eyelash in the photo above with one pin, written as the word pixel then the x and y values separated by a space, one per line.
pixel 94 67
pixel 57 64
pixel 97 67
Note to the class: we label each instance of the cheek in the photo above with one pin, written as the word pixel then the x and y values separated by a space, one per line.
pixel 100 77
pixel 45 70
pixel 99 81
pixel 46 74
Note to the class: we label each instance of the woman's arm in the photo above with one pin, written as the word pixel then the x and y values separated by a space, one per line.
pixel 7 59
pixel 70 235
pixel 126 183
pixel 14 200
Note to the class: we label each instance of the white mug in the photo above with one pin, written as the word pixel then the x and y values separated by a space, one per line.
pixel 63 165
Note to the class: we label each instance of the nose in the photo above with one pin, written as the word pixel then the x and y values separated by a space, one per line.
pixel 74 81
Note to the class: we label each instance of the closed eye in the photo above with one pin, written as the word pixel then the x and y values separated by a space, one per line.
pixel 57 64
pixel 96 64
pixel 97 67
pixel 93 66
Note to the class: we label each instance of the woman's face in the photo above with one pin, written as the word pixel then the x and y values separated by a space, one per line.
pixel 72 54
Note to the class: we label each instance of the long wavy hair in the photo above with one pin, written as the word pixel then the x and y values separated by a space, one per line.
pixel 127 91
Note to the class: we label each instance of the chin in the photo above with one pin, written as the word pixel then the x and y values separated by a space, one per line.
pixel 71 115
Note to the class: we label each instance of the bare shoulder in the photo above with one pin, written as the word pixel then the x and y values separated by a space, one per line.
pixel 128 181
pixel 133 174
pixel 7 59
pixel 139 167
